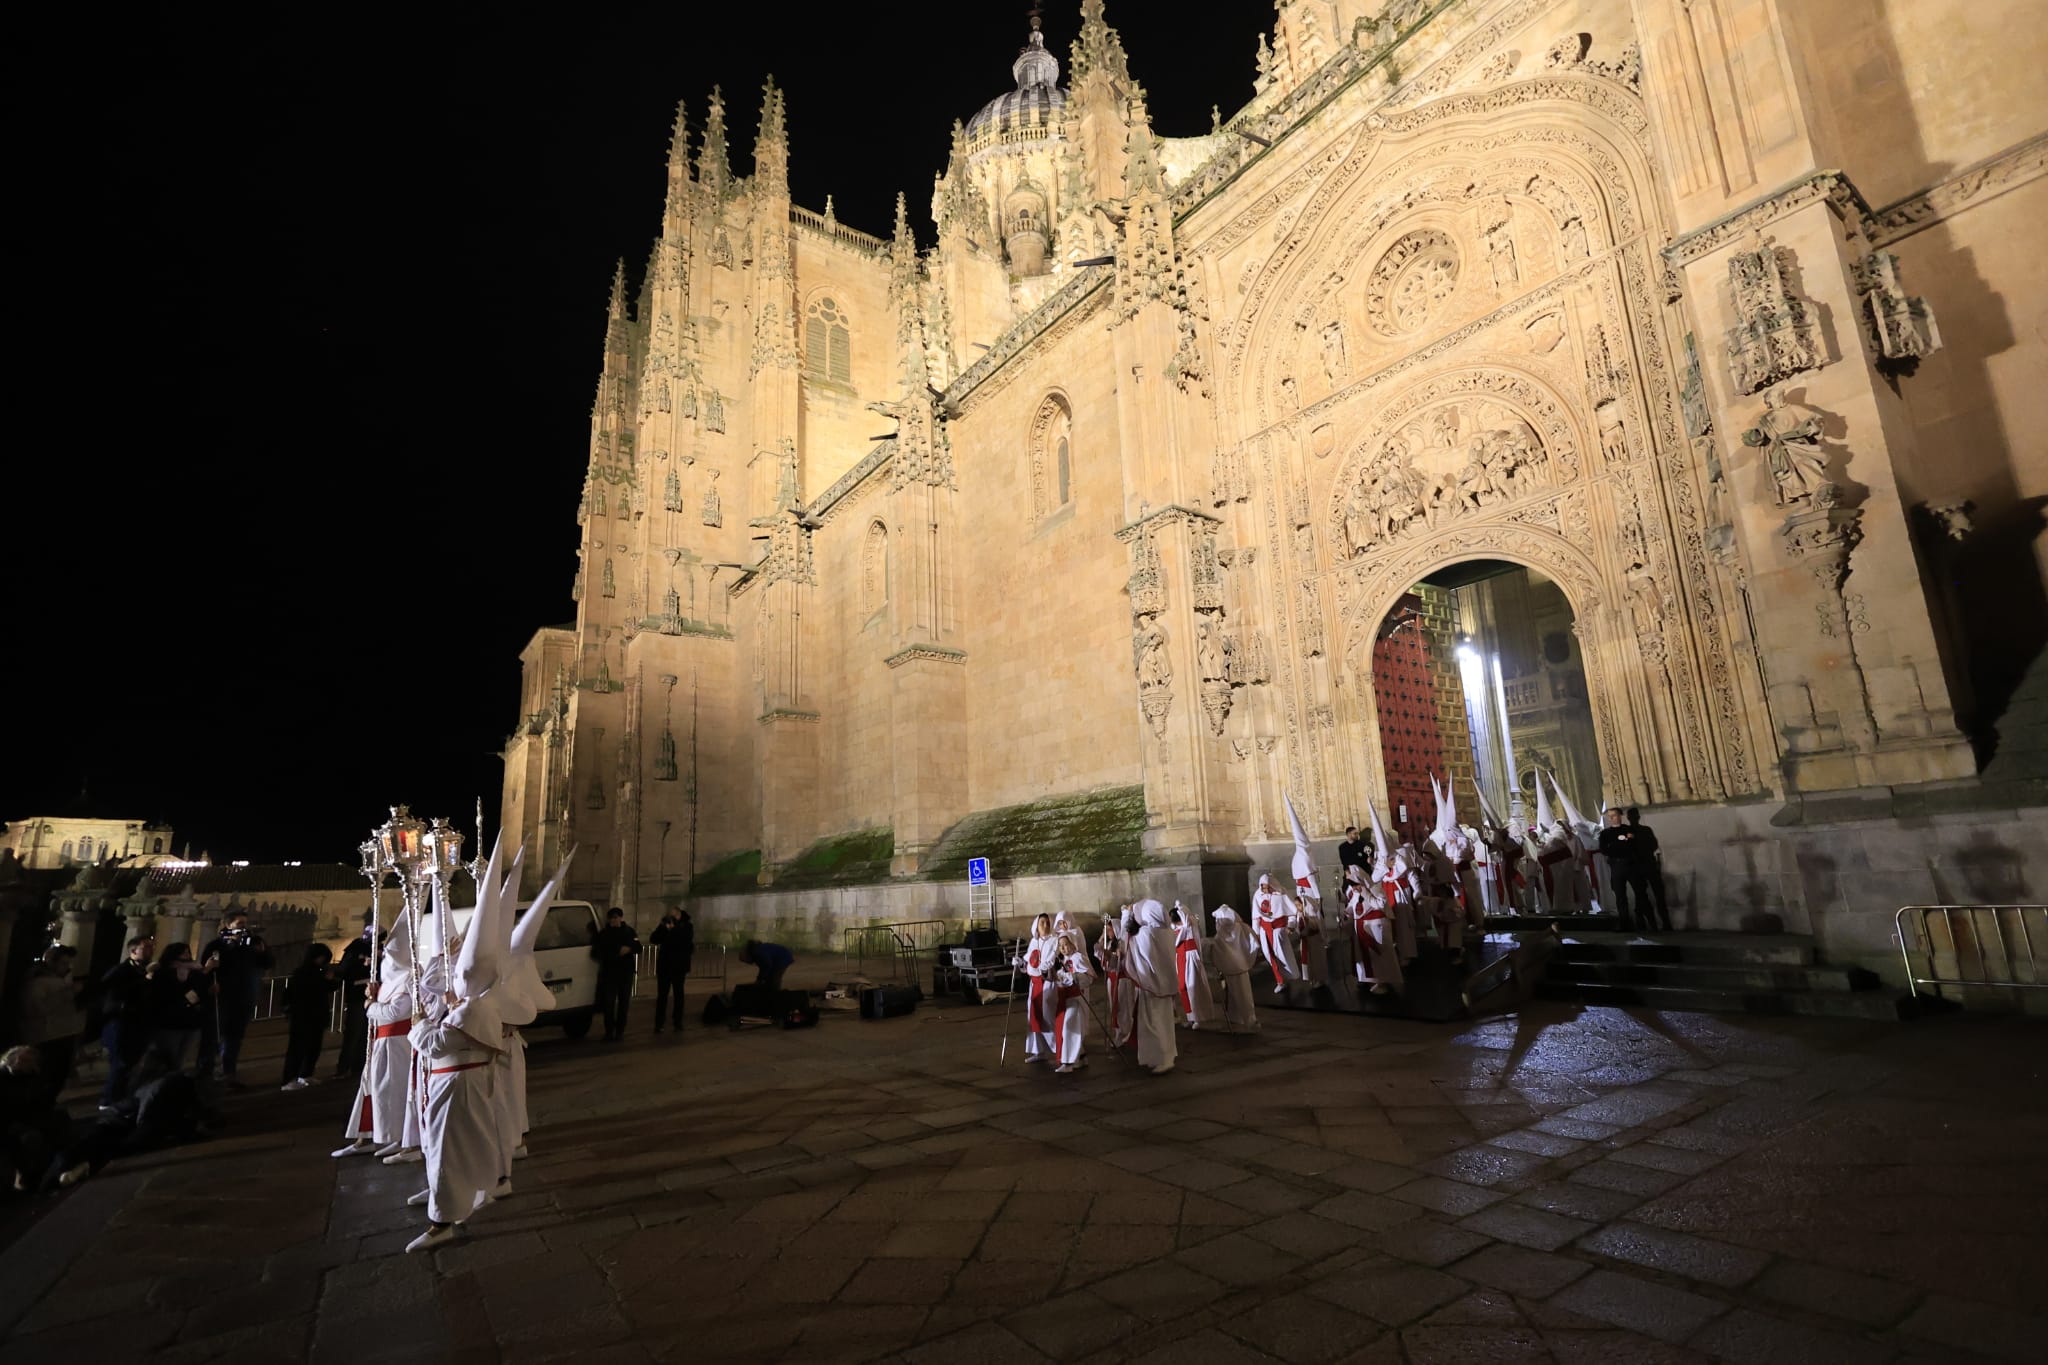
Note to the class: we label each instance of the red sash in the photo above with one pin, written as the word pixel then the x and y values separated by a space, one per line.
pixel 397 1030
pixel 463 1066
pixel 1180 955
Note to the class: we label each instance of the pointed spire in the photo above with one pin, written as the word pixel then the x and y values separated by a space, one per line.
pixel 900 244
pixel 679 144
pixel 1141 156
pixel 1096 48
pixel 771 143
pixel 714 171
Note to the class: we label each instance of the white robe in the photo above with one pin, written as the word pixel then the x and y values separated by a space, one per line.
pixel 379 1112
pixel 1313 946
pixel 1372 929
pixel 1230 953
pixel 1122 995
pixel 510 1095
pixel 1068 986
pixel 1038 1011
pixel 1152 972
pixel 1271 914
pixel 1191 974
pixel 459 1121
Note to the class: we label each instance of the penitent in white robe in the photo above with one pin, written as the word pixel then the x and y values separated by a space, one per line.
pixel 1069 987
pixel 459 1120
pixel 379 1111
pixel 1230 953
pixel 1191 973
pixel 511 1095
pixel 1122 995
pixel 1151 962
pixel 1271 914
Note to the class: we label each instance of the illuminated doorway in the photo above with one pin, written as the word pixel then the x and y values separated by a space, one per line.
pixel 1477 674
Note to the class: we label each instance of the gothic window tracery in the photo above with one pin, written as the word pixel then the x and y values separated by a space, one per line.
pixel 1052 456
pixel 828 342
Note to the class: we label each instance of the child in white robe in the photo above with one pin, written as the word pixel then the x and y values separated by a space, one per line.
pixel 1035 962
pixel 1271 913
pixel 1191 970
pixel 1116 981
pixel 1070 975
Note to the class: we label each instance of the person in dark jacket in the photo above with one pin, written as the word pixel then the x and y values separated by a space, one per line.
pixel 308 1001
pixel 1645 873
pixel 124 1015
pixel 353 971
pixel 180 992
pixel 674 941
pixel 164 1109
pixel 616 950
pixel 33 1130
pixel 770 961
pixel 238 959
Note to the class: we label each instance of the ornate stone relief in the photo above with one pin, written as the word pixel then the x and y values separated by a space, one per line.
pixel 713 515
pixel 1411 282
pixel 1447 449
pixel 1777 334
pixel 1898 326
pixel 1569 54
pixel 1951 518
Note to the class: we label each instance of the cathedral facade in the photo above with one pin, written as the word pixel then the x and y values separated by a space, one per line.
pixel 1721 318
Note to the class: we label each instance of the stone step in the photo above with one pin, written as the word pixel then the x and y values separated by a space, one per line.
pixel 1878 1004
pixel 1713 977
pixel 1702 947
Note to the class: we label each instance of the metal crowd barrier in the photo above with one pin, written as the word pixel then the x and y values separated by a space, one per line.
pixel 899 948
pixel 702 955
pixel 2007 957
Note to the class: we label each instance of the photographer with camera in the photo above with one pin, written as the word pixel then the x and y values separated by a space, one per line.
pixel 237 959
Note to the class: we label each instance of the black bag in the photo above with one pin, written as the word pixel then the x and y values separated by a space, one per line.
pixel 888 1002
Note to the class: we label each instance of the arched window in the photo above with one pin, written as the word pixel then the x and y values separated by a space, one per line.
pixel 828 345
pixel 156 845
pixel 103 850
pixel 65 852
pixel 1052 456
pixel 874 568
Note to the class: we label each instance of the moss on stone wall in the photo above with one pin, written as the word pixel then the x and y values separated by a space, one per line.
pixel 734 875
pixel 1097 831
pixel 842 860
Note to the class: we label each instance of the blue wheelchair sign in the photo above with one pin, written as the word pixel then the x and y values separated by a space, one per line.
pixel 977 872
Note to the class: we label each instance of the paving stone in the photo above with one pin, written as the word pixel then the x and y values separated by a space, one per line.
pixel 1207 1347
pixel 1368 1212
pixel 1637 1180
pixel 1445 1196
pixel 1612 1346
pixel 985 1343
pixel 1639 1305
pixel 1520 1271
pixel 1390 1295
pixel 1980 1327
pixel 1427 1242
pixel 1486 1165
pixel 1200 1174
pixel 1838 1293
pixel 1526 1226
pixel 1578 1200
pixel 1301 1329
pixel 1675 1160
pixel 1536 1141
pixel 1756 1337
pixel 948 1241
pixel 1474 1345
pixel 1159 1291
pixel 1563 1125
pixel 1238 1259
pixel 1678 1253
pixel 1306 1234
pixel 1373 1177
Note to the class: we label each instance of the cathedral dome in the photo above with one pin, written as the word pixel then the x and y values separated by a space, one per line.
pixel 1036 104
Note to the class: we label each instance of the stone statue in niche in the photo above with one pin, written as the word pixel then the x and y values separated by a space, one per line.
pixel 1155 670
pixel 1334 364
pixel 713 513
pixel 1613 433
pixel 1571 239
pixel 1792 449
pixel 1500 254
pixel 1777 334
pixel 714 411
pixel 1290 394
pixel 1209 650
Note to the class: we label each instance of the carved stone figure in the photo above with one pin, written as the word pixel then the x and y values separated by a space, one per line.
pixel 713 514
pixel 1334 364
pixel 1155 670
pixel 1899 326
pixel 1791 444
pixel 1571 239
pixel 1500 255
pixel 1778 332
pixel 1208 649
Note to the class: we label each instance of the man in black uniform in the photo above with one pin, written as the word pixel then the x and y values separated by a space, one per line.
pixel 617 952
pixel 1354 852
pixel 354 970
pixel 241 957
pixel 1646 873
pixel 674 941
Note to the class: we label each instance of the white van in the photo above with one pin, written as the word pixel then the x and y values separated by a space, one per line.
pixel 562 952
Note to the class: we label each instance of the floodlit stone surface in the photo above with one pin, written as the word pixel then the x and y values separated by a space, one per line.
pixel 884 1191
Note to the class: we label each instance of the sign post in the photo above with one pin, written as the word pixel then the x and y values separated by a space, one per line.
pixel 981 893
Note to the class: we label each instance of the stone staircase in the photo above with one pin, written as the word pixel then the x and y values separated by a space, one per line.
pixel 1596 964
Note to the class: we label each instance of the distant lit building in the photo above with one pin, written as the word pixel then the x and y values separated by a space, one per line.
pixel 78 840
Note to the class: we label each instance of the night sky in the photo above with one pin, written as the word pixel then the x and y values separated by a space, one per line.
pixel 315 318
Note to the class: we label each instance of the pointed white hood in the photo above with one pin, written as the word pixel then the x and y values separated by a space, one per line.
pixel 1231 947
pixel 1304 861
pixel 523 974
pixel 1579 823
pixel 1150 957
pixel 394 974
pixel 1543 817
